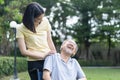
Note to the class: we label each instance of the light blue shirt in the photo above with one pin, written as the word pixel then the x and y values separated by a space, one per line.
pixel 63 71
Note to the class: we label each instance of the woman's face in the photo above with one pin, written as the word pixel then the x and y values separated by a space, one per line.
pixel 38 20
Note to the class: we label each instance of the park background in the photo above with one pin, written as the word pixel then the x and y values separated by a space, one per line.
pixel 93 24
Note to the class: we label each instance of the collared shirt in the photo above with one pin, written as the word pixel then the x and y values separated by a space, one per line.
pixel 61 70
pixel 35 41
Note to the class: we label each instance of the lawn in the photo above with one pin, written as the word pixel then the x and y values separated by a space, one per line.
pixel 102 73
pixel 91 73
pixel 21 76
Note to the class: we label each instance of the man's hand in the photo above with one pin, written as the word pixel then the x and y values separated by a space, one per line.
pixel 82 79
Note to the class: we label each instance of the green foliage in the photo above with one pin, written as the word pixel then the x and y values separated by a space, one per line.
pixel 21 64
pixel 7 65
pixel 95 63
pixel 88 29
pixel 10 10
pixel 17 51
pixel 1 1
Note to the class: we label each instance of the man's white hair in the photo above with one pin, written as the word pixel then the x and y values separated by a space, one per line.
pixel 71 40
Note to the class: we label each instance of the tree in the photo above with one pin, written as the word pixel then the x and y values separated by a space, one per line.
pixel 86 12
pixel 10 10
pixel 108 22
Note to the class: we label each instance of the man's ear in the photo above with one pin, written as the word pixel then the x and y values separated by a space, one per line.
pixel 60 48
pixel 73 54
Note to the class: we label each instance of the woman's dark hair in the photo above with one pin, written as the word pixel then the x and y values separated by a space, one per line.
pixel 32 11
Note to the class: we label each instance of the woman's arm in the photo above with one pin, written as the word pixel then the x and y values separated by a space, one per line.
pixel 50 42
pixel 25 52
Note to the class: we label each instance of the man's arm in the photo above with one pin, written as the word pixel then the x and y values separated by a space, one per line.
pixel 80 74
pixel 82 79
pixel 46 75
pixel 48 67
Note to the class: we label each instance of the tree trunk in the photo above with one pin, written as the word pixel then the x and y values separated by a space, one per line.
pixel 109 47
pixel 87 46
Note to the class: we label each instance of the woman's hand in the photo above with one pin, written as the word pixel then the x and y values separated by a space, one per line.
pixel 52 52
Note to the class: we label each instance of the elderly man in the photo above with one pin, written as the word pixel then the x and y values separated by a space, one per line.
pixel 62 66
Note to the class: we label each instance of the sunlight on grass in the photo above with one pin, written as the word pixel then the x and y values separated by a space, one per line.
pixel 21 76
pixel 102 73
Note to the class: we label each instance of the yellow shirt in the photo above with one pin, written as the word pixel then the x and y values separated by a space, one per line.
pixel 35 41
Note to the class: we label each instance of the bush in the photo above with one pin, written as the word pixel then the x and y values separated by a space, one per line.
pixel 95 63
pixel 7 65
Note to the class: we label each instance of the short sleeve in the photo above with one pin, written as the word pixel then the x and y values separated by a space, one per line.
pixel 80 73
pixel 48 25
pixel 19 33
pixel 48 64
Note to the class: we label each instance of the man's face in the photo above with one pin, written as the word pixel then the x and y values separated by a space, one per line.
pixel 68 47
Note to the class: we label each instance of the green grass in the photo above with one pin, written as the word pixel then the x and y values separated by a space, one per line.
pixel 91 73
pixel 21 76
pixel 102 73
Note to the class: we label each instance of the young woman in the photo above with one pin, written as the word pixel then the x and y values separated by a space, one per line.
pixel 34 39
